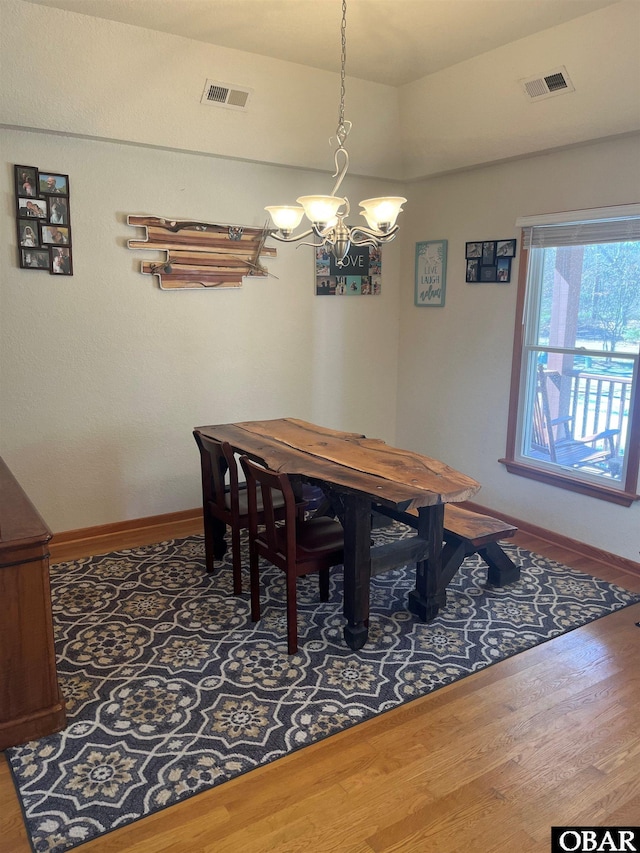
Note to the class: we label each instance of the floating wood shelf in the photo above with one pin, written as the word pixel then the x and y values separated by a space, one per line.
pixel 201 254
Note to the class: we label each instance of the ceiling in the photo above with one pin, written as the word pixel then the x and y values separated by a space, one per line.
pixel 388 41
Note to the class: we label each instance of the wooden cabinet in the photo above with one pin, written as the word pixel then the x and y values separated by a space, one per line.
pixel 31 704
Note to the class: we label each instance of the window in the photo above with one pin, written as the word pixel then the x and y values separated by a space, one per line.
pixel 574 415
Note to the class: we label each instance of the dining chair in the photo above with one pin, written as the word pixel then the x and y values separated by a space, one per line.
pixel 297 547
pixel 224 505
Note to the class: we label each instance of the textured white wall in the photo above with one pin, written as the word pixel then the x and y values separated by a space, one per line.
pixel 476 112
pixel 103 375
pixel 455 362
pixel 91 77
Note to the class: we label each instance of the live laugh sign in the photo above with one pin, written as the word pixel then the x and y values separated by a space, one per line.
pixel 431 266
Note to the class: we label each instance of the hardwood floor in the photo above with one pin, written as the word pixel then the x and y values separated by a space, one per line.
pixel 489 764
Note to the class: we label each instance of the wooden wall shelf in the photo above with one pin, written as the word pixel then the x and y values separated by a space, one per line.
pixel 201 254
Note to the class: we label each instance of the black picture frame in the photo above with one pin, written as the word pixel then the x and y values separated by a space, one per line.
pixel 488 273
pixel 28 234
pixel 52 183
pixel 489 261
pixel 57 209
pixel 503 270
pixel 43 220
pixel 26 181
pixel 506 248
pixel 31 207
pixel 473 270
pixel 55 235
pixel 61 260
pixel 35 259
pixel 488 253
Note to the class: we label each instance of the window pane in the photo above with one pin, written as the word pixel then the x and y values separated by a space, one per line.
pixel 590 297
pixel 577 413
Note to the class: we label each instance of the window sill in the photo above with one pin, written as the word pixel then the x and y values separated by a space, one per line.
pixel 562 481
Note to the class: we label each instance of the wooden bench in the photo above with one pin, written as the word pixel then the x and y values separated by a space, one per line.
pixel 465 533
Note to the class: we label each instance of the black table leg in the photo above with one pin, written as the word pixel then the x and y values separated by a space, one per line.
pixel 428 597
pixel 357 569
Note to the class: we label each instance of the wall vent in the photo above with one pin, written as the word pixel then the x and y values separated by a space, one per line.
pixel 548 85
pixel 225 95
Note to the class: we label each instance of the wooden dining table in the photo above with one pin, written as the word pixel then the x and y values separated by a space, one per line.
pixel 358 474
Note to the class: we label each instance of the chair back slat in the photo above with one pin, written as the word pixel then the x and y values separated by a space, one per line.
pixel 274 490
pixel 542 413
pixel 217 460
pixel 298 547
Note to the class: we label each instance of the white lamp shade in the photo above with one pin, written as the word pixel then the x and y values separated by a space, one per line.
pixel 286 217
pixel 381 213
pixel 320 208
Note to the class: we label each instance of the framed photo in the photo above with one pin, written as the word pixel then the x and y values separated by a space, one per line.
pixel 57 210
pixel 26 178
pixel 28 235
pixel 34 259
pixel 473 269
pixel 61 262
pixel 503 270
pixel 506 248
pixel 56 235
pixel 473 250
pixel 431 273
pixel 488 273
pixel 51 183
pixel 34 207
pixel 488 252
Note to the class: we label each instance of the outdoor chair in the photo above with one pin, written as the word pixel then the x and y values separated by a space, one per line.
pixel 297 547
pixel 554 438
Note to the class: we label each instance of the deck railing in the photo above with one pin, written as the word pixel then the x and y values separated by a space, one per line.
pixel 598 402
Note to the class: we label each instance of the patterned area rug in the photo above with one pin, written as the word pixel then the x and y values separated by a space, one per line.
pixel 171 689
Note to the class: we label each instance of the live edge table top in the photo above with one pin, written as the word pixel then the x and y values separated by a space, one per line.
pixel 390 476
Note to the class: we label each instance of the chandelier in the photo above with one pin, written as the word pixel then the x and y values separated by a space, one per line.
pixel 327 213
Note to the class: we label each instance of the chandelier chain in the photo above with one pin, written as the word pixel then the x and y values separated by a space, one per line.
pixel 343 127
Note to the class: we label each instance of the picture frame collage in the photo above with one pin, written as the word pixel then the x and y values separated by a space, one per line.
pixel 489 261
pixel 359 275
pixel 43 220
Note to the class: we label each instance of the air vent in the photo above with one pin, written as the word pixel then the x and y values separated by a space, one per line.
pixel 548 85
pixel 225 95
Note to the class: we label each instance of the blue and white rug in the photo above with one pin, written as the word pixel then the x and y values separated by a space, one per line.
pixel 171 689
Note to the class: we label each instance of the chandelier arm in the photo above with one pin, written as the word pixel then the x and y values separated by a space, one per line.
pixel 378 236
pixel 292 238
pixel 315 245
pixel 368 241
